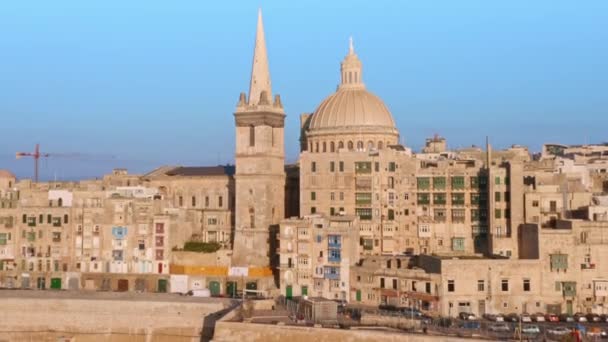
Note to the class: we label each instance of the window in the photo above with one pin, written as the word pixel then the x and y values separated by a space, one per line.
pixel 427 287
pixel 458 244
pixel 535 203
pixel 394 284
pixel 341 166
pixel 391 214
pixel 377 167
pixel 194 201
pixel 424 198
pixel 206 201
pixel 423 183
pixel 364 213
pixel 451 286
pixel 313 196
pixel 363 198
pixel 392 166
pixel 388 264
pixel 181 201
pixel 457 198
pixel 332 196
pixel 481 286
pixel 341 196
pixel 497 213
pixel 65 219
pixel 251 136
pixel 552 206
pixel 391 183
pixel 332 147
pixel 438 183
pixel 497 180
pixel 559 262
pixel 332 166
pixel 527 285
pixel 363 167
pixel 439 198
pixel 141 245
pixel 458 182
pixel 504 285
pixel 220 201
pixel 313 167
pixel 313 210
pixel 497 196
pixel 507 196
pixel 381 282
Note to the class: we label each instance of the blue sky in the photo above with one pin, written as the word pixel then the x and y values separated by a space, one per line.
pixel 156 82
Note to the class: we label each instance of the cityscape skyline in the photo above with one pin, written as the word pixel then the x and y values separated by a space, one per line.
pixel 436 78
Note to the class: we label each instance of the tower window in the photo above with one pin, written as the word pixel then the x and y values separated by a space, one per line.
pixel 251 136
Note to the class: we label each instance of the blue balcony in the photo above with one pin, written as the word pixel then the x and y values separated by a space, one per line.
pixel 334 259
pixel 334 241
pixel 332 273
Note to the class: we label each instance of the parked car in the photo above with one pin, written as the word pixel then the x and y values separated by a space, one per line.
pixel 410 312
pixel 494 318
pixel 558 330
pixel 594 332
pixel 551 318
pixel 566 318
pixel 604 318
pixel 467 316
pixel 471 325
pixel 499 327
pixel 530 329
pixel 538 317
pixel 512 317
pixel 526 318
pixel 595 318
pixel 386 307
pixel 580 317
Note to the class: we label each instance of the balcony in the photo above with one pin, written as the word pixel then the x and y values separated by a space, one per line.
pixel 335 259
pixel 587 266
pixel 332 276
pixel 334 244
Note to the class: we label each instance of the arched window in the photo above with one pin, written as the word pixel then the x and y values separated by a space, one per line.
pixel 60 202
pixel 350 145
pixel 251 218
pixel 332 147
pixel 370 145
pixel 379 145
pixel 310 149
pixel 317 147
pixel 359 145
pixel 340 145
pixel 65 219
pixel 251 135
pixel 324 146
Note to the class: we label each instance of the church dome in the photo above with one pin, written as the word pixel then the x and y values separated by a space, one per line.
pixel 352 109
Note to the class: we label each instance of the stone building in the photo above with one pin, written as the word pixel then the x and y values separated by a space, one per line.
pixel 316 255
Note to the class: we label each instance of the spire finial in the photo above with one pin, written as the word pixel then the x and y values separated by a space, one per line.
pixel 260 73
pixel 351 48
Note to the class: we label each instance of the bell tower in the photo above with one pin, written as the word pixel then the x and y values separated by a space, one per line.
pixel 260 163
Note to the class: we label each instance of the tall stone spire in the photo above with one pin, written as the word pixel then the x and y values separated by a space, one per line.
pixel 260 73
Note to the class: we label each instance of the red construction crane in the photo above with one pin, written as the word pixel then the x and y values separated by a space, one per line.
pixel 36 155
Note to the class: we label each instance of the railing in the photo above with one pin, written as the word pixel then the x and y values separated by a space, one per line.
pixel 334 259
